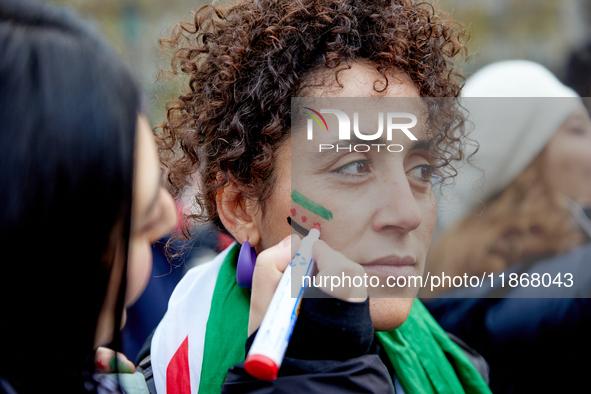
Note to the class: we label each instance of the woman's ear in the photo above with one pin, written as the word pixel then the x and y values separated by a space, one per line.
pixel 237 214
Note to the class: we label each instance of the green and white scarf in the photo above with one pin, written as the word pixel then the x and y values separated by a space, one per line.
pixel 425 359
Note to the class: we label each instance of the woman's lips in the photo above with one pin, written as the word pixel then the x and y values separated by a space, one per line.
pixel 392 260
pixel 391 266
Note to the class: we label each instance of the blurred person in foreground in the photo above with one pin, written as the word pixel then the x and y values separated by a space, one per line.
pixel 82 201
pixel 521 213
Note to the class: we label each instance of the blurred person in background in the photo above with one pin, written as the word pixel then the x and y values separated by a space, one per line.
pixel 533 177
pixel 82 201
pixel 535 157
pixel 577 72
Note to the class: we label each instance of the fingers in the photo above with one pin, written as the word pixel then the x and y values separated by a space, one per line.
pixel 336 268
pixel 105 361
pixel 267 272
pixel 273 261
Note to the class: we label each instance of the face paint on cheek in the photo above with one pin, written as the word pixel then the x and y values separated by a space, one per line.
pixel 310 205
pixel 297 227
pixel 306 215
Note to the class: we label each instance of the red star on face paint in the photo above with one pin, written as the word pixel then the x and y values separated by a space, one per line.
pixel 317 225
pixel 293 211
pixel 304 219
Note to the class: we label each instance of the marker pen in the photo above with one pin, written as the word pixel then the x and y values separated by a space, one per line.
pixel 269 346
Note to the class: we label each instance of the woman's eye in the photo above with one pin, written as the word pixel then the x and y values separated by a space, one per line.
pixel 354 168
pixel 577 130
pixel 423 172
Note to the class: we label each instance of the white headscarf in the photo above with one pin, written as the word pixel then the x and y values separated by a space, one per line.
pixel 514 117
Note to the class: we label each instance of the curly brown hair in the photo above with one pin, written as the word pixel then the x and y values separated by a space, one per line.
pixel 246 61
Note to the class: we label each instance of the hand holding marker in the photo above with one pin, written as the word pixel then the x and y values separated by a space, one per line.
pixel 269 346
pixel 268 349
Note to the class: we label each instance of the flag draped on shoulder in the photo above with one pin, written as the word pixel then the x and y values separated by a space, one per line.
pixel 179 340
pixel 204 331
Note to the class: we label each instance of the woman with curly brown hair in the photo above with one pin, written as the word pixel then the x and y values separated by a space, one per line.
pixel 231 130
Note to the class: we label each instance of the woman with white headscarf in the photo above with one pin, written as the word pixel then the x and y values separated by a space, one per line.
pixel 521 195
pixel 517 209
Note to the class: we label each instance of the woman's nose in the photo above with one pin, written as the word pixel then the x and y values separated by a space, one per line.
pixel 170 217
pixel 397 207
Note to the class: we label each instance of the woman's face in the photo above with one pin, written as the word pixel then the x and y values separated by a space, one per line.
pixel 382 204
pixel 153 216
pixel 567 158
pixel 153 212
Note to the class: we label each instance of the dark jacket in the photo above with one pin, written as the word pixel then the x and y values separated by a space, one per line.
pixel 535 339
pixel 331 350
